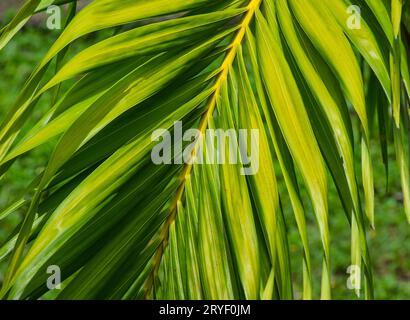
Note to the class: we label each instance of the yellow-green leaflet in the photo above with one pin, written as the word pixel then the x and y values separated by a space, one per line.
pixel 291 116
pixel 328 38
pixel 383 17
pixel 364 40
pixel 396 12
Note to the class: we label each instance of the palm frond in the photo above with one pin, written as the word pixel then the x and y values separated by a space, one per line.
pixel 122 227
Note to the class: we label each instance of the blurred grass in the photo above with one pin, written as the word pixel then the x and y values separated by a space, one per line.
pixel 389 243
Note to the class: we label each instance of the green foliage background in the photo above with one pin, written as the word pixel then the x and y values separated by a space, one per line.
pixel 389 243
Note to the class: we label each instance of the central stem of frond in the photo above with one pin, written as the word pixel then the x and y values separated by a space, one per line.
pixel 209 110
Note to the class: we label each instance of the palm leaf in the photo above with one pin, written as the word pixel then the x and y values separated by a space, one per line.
pixel 122 227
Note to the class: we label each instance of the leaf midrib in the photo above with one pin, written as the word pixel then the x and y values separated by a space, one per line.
pixel 203 125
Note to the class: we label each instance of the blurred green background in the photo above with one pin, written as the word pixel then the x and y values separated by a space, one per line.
pixel 389 243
